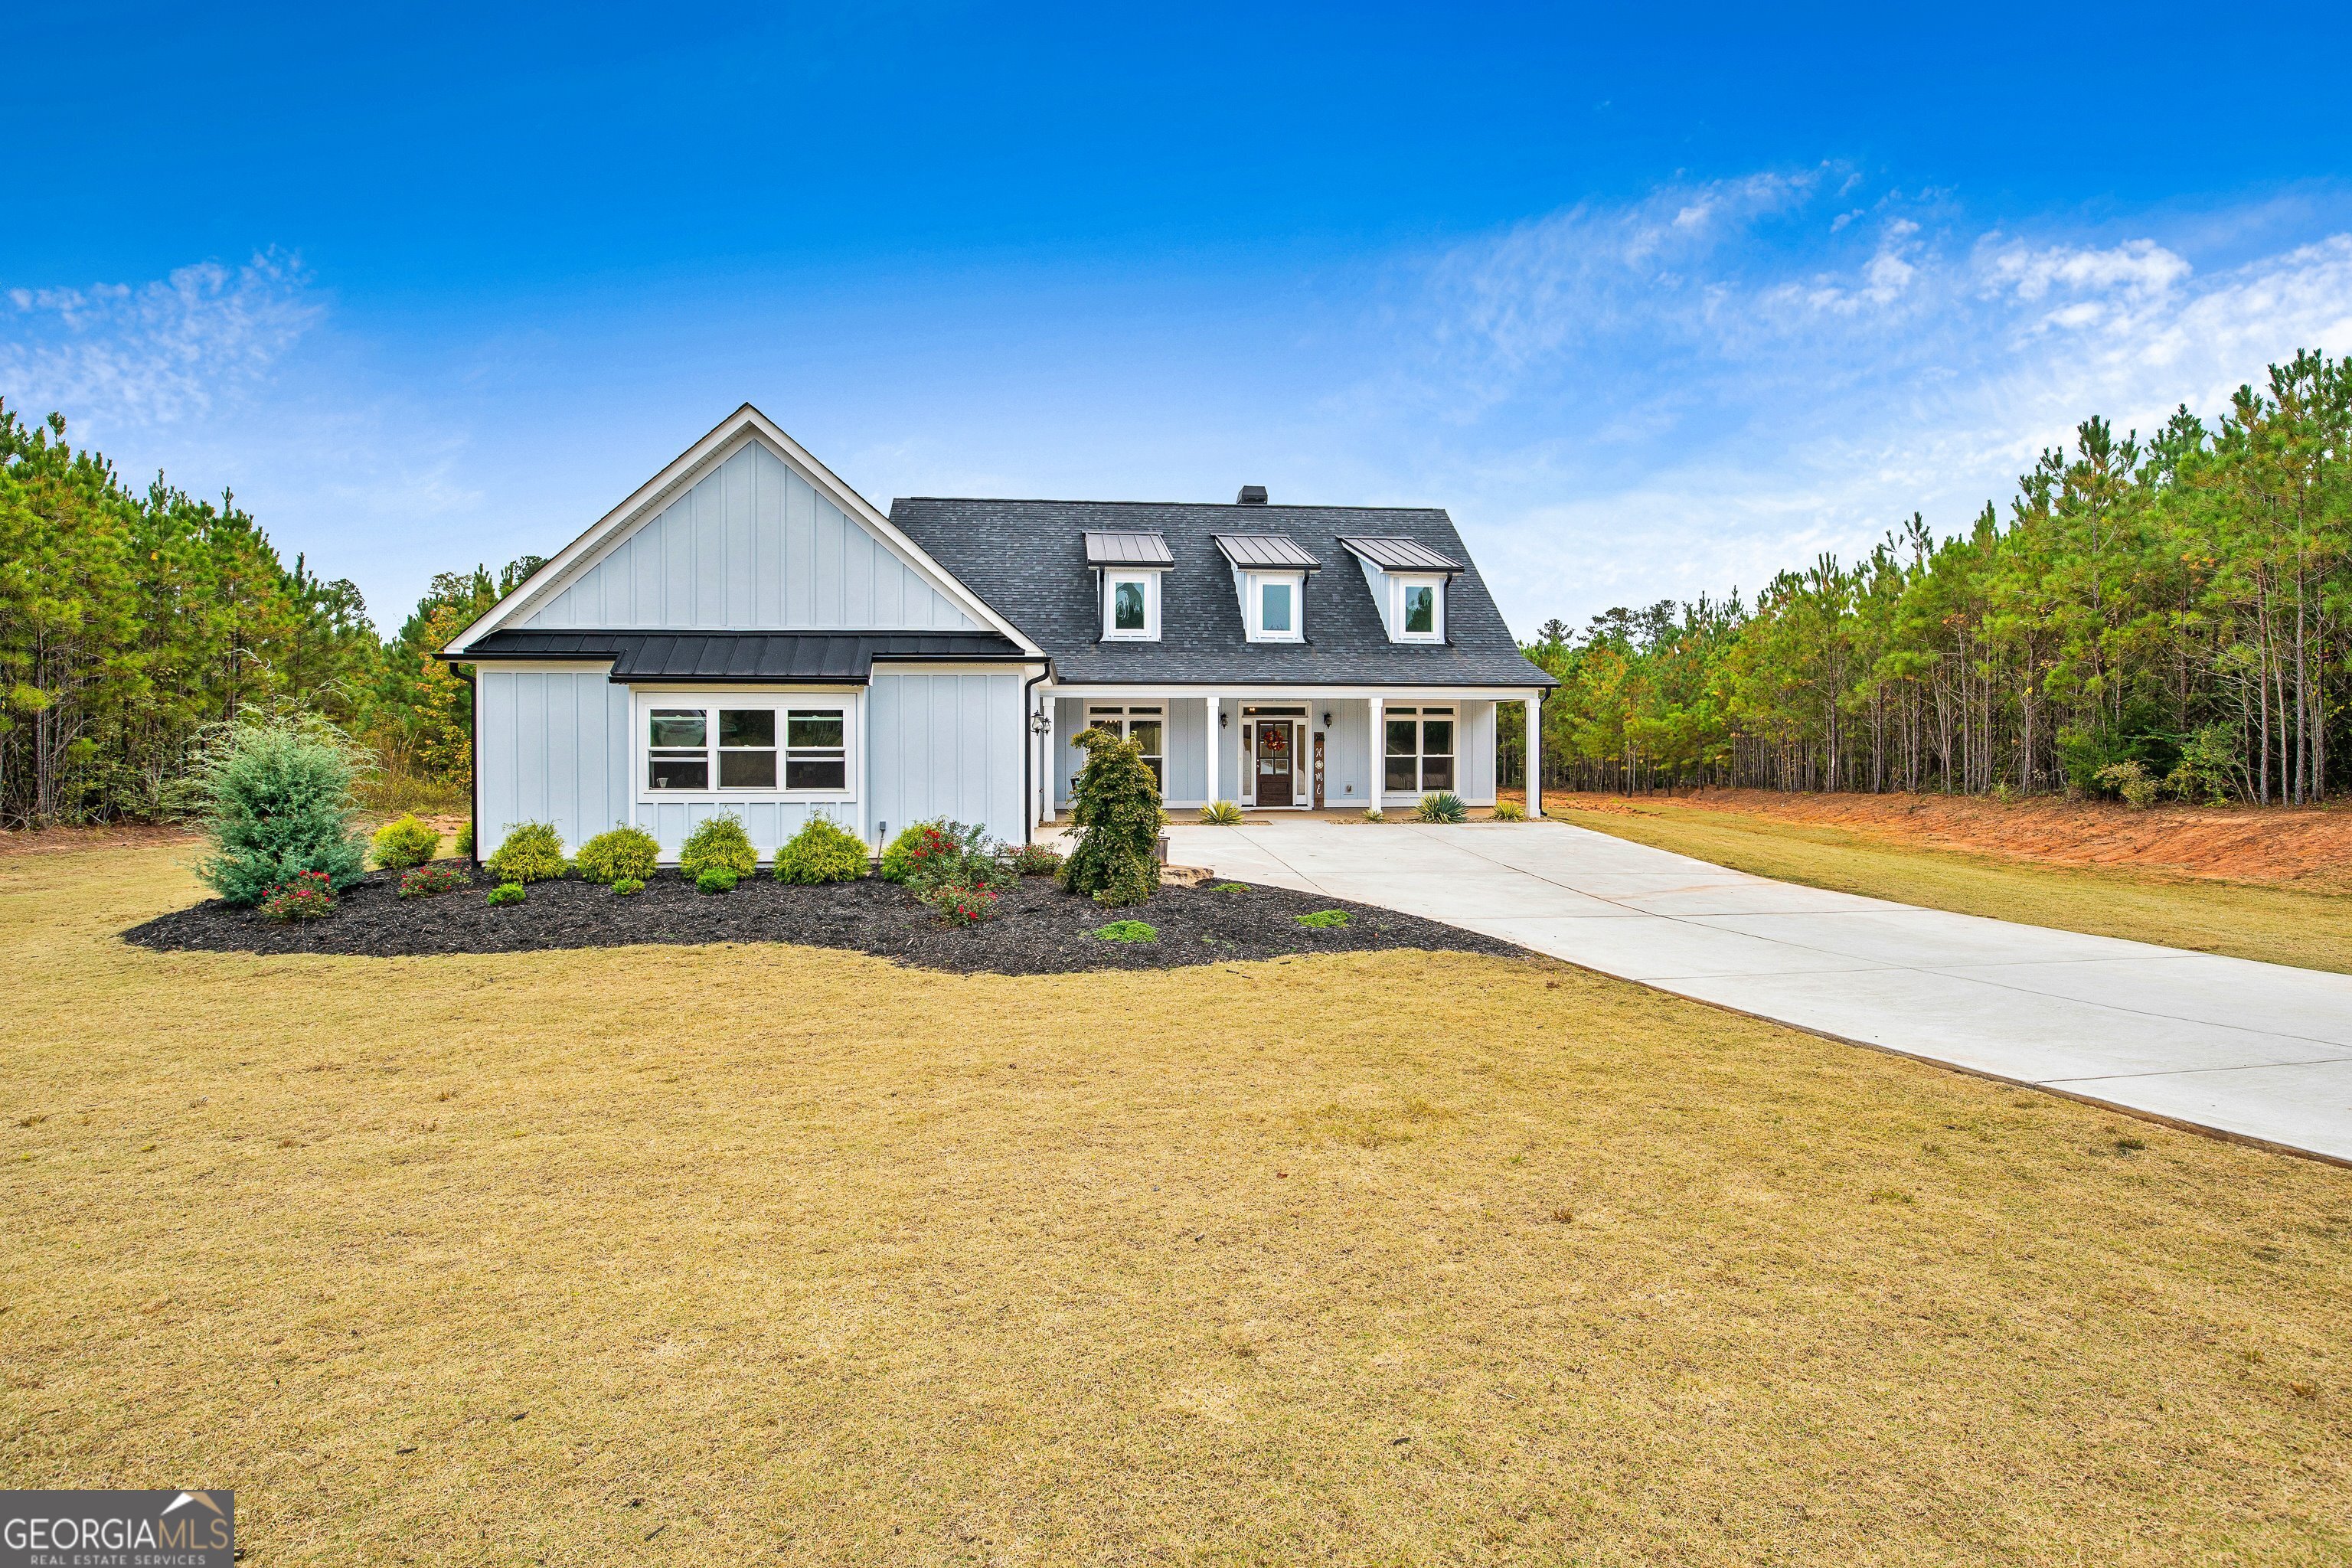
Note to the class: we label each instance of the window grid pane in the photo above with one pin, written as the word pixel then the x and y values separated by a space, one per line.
pixel 1275 612
pixel 1421 609
pixel 1127 606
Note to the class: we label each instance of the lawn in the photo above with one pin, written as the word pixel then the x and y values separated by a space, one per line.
pixel 2274 924
pixel 766 1252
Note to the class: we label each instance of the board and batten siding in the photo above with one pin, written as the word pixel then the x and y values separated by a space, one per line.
pixel 752 547
pixel 947 743
pixel 554 748
pixel 1184 762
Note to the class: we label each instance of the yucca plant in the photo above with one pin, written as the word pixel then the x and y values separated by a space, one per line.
pixel 1441 806
pixel 1221 814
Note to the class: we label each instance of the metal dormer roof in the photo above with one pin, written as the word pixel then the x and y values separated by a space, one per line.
pixel 1106 549
pixel 1266 552
pixel 1394 554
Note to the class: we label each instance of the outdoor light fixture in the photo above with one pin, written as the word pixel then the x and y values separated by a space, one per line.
pixel 1039 723
pixel 1224 719
pixel 1326 721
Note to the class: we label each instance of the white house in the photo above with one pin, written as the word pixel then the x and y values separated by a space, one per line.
pixel 747 633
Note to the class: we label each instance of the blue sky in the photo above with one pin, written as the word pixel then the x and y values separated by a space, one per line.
pixel 1653 301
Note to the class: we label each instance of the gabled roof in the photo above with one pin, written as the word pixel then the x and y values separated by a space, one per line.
pixel 1106 549
pixel 1265 552
pixel 1028 559
pixel 746 423
pixel 643 657
pixel 1401 555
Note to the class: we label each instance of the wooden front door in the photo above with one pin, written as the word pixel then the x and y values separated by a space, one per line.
pixel 1275 762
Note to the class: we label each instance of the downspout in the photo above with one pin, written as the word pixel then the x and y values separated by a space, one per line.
pixel 1029 741
pixel 473 762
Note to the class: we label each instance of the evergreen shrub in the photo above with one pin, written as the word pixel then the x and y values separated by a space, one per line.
pixel 507 893
pixel 618 853
pixel 715 879
pixel 404 842
pixel 628 888
pixel 530 852
pixel 465 842
pixel 1117 805
pixel 821 851
pixel 718 845
pixel 275 796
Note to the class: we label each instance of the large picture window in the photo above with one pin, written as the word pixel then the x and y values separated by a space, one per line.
pixel 1420 750
pixel 710 747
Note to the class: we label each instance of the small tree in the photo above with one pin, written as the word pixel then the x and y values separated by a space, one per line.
pixel 277 801
pixel 1118 805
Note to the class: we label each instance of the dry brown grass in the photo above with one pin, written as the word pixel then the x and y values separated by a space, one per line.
pixel 725 1254
pixel 2300 924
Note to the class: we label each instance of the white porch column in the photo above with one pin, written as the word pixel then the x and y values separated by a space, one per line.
pixel 1535 756
pixel 1376 709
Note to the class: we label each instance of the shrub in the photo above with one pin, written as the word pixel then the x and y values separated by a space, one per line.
pixel 530 852
pixel 1323 920
pixel 618 853
pixel 311 896
pixel 1033 860
pixel 402 843
pixel 718 845
pixel 1221 814
pixel 1128 931
pixel 2209 766
pixel 1117 804
pixel 275 798
pixel 907 857
pixel 1373 814
pixel 1231 888
pixel 960 903
pixel 507 893
pixel 1441 806
pixel 1508 811
pixel 628 887
pixel 2131 780
pixel 717 879
pixel 465 842
pixel 423 882
pixel 821 851
pixel 942 853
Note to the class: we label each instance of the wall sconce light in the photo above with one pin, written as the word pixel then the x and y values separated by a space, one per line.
pixel 1224 719
pixel 1039 723
pixel 1326 721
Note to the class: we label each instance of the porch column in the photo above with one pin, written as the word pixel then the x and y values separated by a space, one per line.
pixel 1376 709
pixel 1535 756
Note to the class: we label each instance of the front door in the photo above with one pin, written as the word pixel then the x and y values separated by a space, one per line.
pixel 1274 769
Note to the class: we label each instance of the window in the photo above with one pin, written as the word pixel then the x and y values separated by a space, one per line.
pixel 687 748
pixel 1276 606
pixel 1146 726
pixel 1420 750
pixel 1419 609
pixel 1131 606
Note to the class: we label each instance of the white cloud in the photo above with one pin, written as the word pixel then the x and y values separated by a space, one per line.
pixel 118 355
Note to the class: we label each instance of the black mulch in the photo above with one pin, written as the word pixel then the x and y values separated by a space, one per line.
pixel 1039 929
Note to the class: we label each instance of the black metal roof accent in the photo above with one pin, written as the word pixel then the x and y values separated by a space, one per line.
pixel 1027 559
pixel 653 658
pixel 1400 554
pixel 1259 551
pixel 1127 549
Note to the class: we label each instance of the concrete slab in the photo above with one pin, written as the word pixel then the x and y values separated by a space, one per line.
pixel 2258 1050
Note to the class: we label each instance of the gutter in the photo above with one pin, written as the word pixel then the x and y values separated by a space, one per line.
pixel 1029 758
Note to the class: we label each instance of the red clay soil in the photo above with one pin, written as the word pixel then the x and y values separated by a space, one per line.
pixel 2308 847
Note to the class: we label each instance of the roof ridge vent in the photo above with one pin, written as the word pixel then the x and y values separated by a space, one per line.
pixel 1252 495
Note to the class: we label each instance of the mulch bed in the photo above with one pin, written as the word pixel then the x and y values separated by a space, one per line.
pixel 1038 930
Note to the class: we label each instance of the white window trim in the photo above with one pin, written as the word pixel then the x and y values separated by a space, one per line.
pixel 849 704
pixel 1398 584
pixel 1253 586
pixel 1451 713
pixel 1111 579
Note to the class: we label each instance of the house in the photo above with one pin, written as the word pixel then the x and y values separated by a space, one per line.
pixel 747 633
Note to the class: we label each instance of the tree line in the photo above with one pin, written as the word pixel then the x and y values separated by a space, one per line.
pixel 132 621
pixel 2167 615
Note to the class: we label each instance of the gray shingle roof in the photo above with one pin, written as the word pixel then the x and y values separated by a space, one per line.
pixel 1027 559
pixel 1401 555
pixel 744 656
pixel 1126 549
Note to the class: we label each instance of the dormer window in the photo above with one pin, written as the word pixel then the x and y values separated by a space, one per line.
pixel 1270 574
pixel 1278 606
pixel 1129 566
pixel 1408 582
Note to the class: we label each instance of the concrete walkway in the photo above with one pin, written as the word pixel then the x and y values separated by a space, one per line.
pixel 2257 1049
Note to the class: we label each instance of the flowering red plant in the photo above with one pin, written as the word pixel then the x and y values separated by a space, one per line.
pixel 438 876
pixel 961 904
pixel 311 896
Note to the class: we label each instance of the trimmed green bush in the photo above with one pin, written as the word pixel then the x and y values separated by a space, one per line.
pixel 717 880
pixel 616 853
pixel 628 888
pixel 916 843
pixel 465 842
pixel 1128 931
pixel 276 801
pixel 402 843
pixel 1117 805
pixel 507 893
pixel 1221 814
pixel 1322 920
pixel 1034 860
pixel 1441 806
pixel 821 851
pixel 530 852
pixel 718 845
pixel 1508 811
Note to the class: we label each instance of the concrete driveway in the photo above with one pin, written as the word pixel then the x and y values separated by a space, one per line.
pixel 2258 1049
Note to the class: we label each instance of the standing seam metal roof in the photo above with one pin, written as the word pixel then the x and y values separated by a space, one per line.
pixel 1027 559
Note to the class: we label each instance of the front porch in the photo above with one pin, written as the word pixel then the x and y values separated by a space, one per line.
pixel 1295 752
